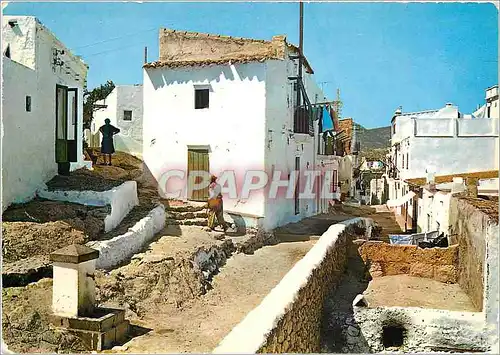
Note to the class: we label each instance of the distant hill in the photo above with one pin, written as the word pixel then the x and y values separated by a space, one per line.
pixel 374 138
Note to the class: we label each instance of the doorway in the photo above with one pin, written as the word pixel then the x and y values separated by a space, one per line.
pixel 297 170
pixel 198 160
pixel 66 146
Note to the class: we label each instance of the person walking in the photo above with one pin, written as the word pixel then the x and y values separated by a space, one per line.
pixel 215 205
pixel 107 146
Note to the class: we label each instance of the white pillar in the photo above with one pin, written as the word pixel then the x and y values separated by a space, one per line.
pixel 73 290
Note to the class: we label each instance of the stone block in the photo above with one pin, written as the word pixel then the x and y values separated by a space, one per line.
pixel 446 273
pixel 446 256
pixel 376 269
pixel 400 253
pixel 108 338
pixel 90 340
pixel 396 268
pixel 426 256
pixel 422 270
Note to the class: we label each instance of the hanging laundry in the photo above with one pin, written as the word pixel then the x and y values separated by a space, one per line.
pixel 327 120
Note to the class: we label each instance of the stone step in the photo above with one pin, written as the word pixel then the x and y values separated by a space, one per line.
pixel 292 237
pixel 188 222
pixel 188 215
pixel 186 208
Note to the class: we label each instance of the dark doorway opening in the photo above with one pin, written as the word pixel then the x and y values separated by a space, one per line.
pixel 393 336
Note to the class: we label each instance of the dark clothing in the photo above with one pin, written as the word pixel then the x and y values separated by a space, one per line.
pixel 107 131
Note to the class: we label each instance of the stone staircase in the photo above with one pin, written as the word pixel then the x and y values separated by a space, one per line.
pixel 186 214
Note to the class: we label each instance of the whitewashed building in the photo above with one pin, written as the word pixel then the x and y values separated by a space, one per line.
pixel 42 106
pixel 222 104
pixel 434 200
pixel 123 106
pixel 438 142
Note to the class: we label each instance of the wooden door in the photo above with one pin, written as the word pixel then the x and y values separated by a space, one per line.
pixel 61 124
pixel 197 161
pixel 72 141
pixel 66 124
pixel 297 186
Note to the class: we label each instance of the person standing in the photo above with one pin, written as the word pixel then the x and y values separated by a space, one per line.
pixel 215 205
pixel 107 146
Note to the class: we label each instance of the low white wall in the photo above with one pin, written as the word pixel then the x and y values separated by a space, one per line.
pixel 114 251
pixel 121 198
pixel 477 127
pixel 302 287
pixel 435 127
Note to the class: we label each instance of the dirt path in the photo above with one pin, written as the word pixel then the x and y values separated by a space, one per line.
pixel 202 323
pixel 379 213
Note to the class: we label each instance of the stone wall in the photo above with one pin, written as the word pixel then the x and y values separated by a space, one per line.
pixel 289 318
pixel 474 226
pixel 193 46
pixel 383 259
pixel 467 229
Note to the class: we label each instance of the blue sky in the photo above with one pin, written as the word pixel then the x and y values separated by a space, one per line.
pixel 380 55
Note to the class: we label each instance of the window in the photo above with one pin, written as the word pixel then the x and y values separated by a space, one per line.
pixel 28 103
pixel 334 181
pixel 201 98
pixel 7 51
pixel 407 159
pixel 127 115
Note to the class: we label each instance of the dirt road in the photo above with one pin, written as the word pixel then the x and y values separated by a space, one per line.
pixel 202 323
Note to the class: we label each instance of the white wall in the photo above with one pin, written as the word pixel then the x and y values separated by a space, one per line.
pixel 282 146
pixel 233 126
pixel 434 212
pixel 376 190
pixel 441 141
pixel 123 97
pixel 28 138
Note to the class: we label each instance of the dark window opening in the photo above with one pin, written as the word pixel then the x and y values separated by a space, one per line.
pixel 393 336
pixel 201 98
pixel 489 112
pixel 28 103
pixel 7 52
pixel 127 115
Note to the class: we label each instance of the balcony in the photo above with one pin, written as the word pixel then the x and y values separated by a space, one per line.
pixel 303 122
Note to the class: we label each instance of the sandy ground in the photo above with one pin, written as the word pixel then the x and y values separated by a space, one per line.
pixel 408 291
pixel 240 286
pixel 31 231
pixel 165 299
pixel 39 227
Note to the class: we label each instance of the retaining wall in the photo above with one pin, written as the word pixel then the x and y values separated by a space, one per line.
pixel 289 317
pixel 475 228
pixel 384 259
pixel 115 251
pixel 121 199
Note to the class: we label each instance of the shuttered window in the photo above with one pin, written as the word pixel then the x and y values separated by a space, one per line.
pixel 201 98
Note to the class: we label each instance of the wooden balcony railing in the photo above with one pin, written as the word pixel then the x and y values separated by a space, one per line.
pixel 303 122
